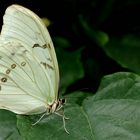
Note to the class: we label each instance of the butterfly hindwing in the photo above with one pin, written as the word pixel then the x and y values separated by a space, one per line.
pixel 18 78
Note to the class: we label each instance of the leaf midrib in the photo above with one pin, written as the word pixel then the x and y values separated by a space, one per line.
pixel 87 118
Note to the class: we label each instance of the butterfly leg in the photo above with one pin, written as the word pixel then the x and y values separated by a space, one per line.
pixel 64 123
pixel 40 118
pixel 66 118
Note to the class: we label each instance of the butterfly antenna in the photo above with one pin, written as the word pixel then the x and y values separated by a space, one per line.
pixel 39 119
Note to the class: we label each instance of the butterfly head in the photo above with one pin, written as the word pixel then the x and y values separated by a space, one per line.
pixel 57 105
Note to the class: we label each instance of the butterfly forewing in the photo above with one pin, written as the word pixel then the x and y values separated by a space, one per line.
pixel 27 61
pixel 23 25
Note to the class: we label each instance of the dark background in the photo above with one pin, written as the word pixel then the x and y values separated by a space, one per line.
pixel 113 17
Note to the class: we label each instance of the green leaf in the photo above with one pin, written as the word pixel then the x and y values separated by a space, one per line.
pixel 76 97
pixel 108 115
pixel 121 85
pixel 114 119
pixel 52 126
pixel 115 110
pixel 8 130
pixel 125 50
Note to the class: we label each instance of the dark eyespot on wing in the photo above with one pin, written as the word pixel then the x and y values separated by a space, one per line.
pixel 8 71
pixel 23 63
pixel 13 66
pixel 4 79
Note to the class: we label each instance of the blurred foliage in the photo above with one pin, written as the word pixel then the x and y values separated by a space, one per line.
pixel 92 38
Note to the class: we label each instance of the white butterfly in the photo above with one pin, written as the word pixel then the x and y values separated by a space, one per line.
pixel 29 74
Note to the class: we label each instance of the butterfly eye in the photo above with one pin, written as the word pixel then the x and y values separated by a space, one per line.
pixel 13 66
pixel 63 101
pixel 4 79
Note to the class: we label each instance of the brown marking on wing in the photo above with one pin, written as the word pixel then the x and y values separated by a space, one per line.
pixel 8 71
pixel 13 66
pixel 47 65
pixel 43 46
pixel 4 79
pixel 23 63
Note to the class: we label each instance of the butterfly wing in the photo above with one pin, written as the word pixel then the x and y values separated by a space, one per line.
pixel 26 43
